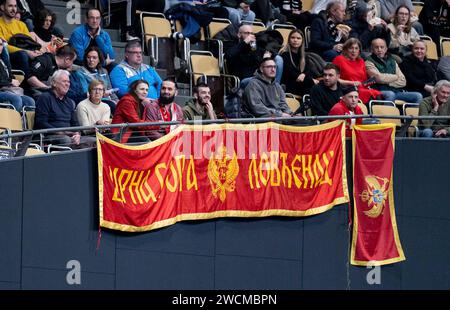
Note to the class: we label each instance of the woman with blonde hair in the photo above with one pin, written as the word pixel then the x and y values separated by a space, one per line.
pixel 300 68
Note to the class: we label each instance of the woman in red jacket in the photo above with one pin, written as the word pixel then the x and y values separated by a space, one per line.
pixel 353 70
pixel 130 109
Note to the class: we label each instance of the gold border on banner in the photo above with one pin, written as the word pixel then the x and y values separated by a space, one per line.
pixel 230 213
pixel 398 245
pixel 222 214
pixel 213 127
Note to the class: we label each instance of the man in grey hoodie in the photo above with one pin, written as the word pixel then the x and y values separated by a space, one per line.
pixel 263 96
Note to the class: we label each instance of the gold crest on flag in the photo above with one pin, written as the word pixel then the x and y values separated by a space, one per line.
pixel 222 173
pixel 375 194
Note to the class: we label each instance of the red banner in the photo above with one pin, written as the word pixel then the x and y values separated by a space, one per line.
pixel 375 237
pixel 204 172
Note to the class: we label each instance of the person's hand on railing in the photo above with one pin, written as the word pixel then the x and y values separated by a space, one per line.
pixel 441 133
pixel 76 138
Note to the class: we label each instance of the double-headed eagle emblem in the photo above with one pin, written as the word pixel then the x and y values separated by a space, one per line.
pixel 222 173
pixel 376 195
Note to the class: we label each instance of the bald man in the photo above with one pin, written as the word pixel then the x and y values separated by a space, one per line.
pixel 244 58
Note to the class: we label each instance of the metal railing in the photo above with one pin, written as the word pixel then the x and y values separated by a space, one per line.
pixel 401 132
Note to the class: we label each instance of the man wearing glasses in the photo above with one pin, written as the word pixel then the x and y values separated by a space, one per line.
pixel 91 34
pixel 263 96
pixel 132 69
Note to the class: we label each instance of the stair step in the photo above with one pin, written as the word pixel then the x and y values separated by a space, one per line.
pixel 181 100
pixel 114 35
pixel 162 73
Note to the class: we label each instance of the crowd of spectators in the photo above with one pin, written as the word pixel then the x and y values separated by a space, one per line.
pixel 358 51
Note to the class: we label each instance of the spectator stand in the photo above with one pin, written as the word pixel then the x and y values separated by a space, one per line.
pixel 412 110
pixel 307 5
pixel 445 46
pixel 158 42
pixel 385 108
pixel 418 6
pixel 10 121
pixel 307 37
pixel 205 67
pixel 284 30
pixel 432 52
pixel 257 26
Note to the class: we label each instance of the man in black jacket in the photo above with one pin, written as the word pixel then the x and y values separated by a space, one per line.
pixel 243 59
pixel 326 38
pixel 418 70
pixel 327 93
pixel 435 18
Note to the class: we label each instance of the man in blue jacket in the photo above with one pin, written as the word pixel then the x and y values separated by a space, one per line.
pixel 132 69
pixel 91 34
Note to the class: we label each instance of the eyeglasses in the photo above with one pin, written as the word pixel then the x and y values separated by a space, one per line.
pixel 99 90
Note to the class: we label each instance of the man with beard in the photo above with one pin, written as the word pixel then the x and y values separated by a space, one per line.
pixel 325 94
pixel 91 34
pixel 10 26
pixel 264 97
pixel 164 109
pixel 200 107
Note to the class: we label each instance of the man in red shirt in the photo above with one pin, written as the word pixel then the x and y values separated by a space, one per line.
pixel 348 105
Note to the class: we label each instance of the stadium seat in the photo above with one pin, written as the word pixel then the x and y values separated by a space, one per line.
pixel 307 36
pixel 57 148
pixel 292 102
pixel 363 107
pixel 418 6
pixel 32 149
pixel 445 46
pixel 6 151
pixel 10 121
pixel 431 47
pixel 156 31
pixel 307 105
pixel 385 108
pixel 28 115
pixel 217 25
pixel 257 26
pixel 205 67
pixel 412 109
pixel 307 5
pixel 18 75
pixel 284 30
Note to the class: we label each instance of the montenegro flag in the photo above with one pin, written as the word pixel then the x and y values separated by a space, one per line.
pixel 375 237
